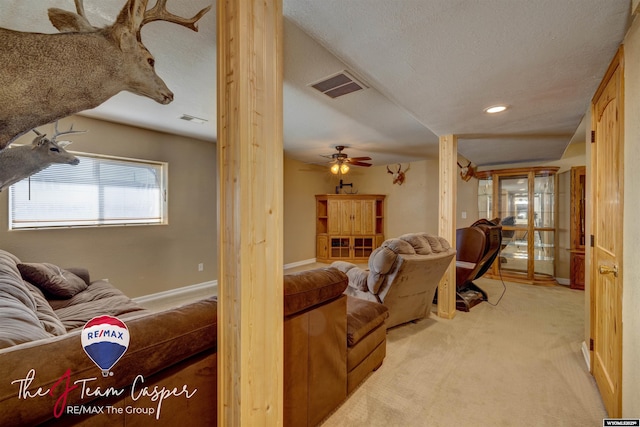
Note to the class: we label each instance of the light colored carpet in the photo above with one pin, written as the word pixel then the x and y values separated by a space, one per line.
pixel 517 364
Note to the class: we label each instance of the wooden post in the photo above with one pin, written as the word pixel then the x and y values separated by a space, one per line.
pixel 250 190
pixel 447 221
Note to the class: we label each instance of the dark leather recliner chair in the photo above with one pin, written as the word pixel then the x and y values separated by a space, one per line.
pixel 476 249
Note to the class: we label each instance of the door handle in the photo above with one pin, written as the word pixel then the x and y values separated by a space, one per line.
pixel 606 269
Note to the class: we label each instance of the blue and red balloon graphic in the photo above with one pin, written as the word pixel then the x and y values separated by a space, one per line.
pixel 105 339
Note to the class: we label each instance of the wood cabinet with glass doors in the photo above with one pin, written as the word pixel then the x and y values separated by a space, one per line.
pixel 524 200
pixel 348 226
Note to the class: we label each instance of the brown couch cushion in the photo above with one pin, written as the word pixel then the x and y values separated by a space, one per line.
pixel 399 246
pixel 52 279
pixel 380 262
pixel 308 288
pixel 48 318
pixel 435 243
pixel 358 279
pixel 421 243
pixel 363 317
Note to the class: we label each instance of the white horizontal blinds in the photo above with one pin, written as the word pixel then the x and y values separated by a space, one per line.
pixel 97 191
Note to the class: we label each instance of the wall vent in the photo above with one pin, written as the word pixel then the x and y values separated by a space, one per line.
pixel 193 119
pixel 338 84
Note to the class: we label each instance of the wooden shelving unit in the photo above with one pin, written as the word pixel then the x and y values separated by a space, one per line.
pixel 348 226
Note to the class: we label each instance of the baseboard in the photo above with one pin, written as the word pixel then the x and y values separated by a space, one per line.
pixel 180 294
pixel 563 281
pixel 586 354
pixel 191 292
pixel 299 263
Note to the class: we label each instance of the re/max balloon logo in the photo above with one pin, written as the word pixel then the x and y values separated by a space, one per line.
pixel 105 339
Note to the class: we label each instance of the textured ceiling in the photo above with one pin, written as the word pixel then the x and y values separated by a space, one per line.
pixel 432 67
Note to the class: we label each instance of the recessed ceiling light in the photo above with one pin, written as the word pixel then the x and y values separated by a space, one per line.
pixel 495 109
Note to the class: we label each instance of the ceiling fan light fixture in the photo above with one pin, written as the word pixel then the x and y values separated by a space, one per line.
pixel 341 168
pixel 495 109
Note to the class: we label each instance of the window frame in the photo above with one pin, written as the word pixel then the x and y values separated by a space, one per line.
pixel 162 166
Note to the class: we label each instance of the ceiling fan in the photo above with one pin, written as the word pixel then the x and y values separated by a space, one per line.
pixel 341 161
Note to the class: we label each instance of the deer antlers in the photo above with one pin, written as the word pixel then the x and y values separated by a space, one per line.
pixel 57 133
pixel 466 172
pixel 399 175
pixel 159 12
pixel 135 12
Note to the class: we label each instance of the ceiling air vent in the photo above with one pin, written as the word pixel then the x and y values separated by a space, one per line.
pixel 338 84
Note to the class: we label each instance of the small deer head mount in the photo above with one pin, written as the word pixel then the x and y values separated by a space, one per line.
pixel 18 163
pixel 399 175
pixel 466 172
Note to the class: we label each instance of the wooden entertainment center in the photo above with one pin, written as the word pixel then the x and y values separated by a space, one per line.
pixel 348 226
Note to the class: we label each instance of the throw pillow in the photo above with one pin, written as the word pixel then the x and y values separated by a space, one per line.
pixel 52 279
pixel 82 273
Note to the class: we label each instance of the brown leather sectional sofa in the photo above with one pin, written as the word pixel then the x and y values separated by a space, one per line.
pixel 331 344
pixel 168 374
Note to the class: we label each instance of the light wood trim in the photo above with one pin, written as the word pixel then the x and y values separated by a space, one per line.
pixel 530 224
pixel 577 215
pixel 447 222
pixel 250 189
pixel 537 170
pixel 350 196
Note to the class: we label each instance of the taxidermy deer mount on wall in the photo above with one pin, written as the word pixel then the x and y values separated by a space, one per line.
pixel 18 163
pixel 466 172
pixel 46 77
pixel 399 175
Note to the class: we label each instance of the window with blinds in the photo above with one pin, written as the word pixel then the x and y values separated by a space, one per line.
pixel 98 191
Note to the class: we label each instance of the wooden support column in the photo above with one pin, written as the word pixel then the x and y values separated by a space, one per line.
pixel 250 188
pixel 447 221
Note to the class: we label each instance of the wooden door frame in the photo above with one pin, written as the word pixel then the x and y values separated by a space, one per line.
pixel 616 62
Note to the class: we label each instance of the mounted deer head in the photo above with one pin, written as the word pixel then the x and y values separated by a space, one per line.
pixel 18 163
pixel 399 175
pixel 83 67
pixel 466 172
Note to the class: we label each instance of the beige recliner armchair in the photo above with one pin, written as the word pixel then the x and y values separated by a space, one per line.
pixel 403 275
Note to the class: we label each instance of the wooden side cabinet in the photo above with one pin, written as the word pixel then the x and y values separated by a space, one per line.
pixel 348 226
pixel 577 270
pixel 578 237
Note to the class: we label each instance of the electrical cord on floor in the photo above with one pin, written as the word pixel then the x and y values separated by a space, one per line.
pixel 504 286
